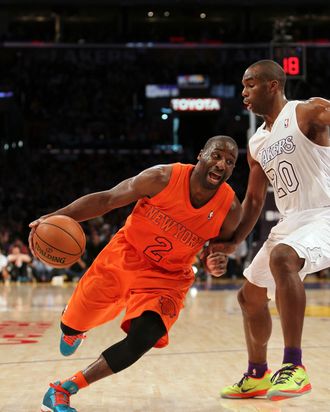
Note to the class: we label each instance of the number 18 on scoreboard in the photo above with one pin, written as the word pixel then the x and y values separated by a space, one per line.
pixel 292 58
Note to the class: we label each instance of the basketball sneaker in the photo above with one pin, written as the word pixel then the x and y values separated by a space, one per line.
pixel 57 398
pixel 248 387
pixel 69 344
pixel 288 382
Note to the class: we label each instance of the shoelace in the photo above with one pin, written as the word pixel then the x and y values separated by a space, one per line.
pixel 70 340
pixel 62 396
pixel 282 375
pixel 240 383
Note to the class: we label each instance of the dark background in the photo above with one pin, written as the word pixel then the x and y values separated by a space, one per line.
pixel 74 116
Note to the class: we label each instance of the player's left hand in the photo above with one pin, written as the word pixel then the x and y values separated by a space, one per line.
pixel 216 263
pixel 33 226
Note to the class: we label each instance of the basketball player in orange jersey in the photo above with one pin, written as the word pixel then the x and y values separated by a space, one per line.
pixel 290 150
pixel 146 267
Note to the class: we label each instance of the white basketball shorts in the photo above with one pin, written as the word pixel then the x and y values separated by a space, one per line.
pixel 308 233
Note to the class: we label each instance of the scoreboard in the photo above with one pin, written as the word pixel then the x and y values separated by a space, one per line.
pixel 292 58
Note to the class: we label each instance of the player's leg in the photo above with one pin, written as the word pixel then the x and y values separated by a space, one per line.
pixel 291 380
pixel 253 299
pixel 257 321
pixel 97 299
pixel 306 249
pixel 144 333
pixel 257 327
pixel 285 265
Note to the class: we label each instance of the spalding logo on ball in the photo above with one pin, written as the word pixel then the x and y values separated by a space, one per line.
pixel 59 241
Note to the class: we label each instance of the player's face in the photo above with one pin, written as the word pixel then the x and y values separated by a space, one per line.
pixel 216 163
pixel 256 92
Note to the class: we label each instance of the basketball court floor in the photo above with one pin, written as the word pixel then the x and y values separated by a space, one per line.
pixel 206 352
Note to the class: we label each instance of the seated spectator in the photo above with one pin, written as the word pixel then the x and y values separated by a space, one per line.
pixel 17 264
pixel 72 273
pixel 4 275
pixel 20 244
pixel 94 245
pixel 75 271
pixel 41 271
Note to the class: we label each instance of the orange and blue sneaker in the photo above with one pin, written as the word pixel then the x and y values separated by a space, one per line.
pixel 248 387
pixel 69 344
pixel 290 381
pixel 57 398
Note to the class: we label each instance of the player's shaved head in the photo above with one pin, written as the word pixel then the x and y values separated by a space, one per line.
pixel 220 138
pixel 269 70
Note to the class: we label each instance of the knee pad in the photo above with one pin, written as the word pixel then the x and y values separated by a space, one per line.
pixel 144 332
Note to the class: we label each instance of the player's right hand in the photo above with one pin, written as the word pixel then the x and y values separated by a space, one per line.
pixel 216 263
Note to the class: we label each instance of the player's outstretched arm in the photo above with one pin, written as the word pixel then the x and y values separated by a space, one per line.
pixel 313 118
pixel 320 109
pixel 147 183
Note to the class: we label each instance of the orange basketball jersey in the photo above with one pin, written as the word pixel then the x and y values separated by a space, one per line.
pixel 168 230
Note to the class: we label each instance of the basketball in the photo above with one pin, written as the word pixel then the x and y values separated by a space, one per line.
pixel 59 241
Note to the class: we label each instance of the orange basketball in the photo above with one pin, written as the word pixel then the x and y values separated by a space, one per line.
pixel 59 241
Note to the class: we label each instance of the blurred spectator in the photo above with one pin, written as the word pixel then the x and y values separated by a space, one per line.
pixel 4 275
pixel 4 239
pixel 94 245
pixel 18 243
pixel 41 271
pixel 17 264
pixel 72 273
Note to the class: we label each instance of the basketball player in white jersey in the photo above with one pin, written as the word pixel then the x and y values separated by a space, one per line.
pixel 291 150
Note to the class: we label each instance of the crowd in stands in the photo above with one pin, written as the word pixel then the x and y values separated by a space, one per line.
pixel 83 120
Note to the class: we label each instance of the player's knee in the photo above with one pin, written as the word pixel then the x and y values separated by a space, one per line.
pixel 252 299
pixel 284 260
pixel 244 301
pixel 145 331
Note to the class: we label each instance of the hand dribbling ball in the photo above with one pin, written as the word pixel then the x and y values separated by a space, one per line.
pixel 59 241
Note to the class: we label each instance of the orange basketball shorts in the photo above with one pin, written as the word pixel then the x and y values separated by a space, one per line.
pixel 120 278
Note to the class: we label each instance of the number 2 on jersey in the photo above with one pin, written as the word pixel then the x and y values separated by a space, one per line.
pixel 154 252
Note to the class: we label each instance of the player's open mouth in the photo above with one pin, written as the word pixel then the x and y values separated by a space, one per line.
pixel 214 177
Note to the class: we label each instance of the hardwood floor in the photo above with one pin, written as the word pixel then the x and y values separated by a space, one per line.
pixel 206 352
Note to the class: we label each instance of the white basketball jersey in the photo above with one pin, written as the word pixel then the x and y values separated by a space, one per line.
pixel 298 169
